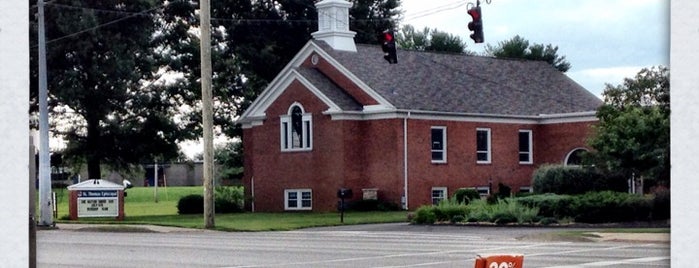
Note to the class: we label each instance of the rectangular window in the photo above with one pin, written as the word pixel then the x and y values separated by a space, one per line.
pixel 525 147
pixel 438 194
pixel 439 144
pixel 298 199
pixel 483 146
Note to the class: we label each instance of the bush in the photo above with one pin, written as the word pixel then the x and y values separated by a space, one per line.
pixel 574 180
pixel 550 205
pixel 603 207
pixel 228 199
pixel 458 218
pixel 191 204
pixel 424 215
pixel 504 191
pixel 466 195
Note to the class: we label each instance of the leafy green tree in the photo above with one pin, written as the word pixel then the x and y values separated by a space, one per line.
pixel 633 135
pixel 230 160
pixel 429 40
pixel 104 78
pixel 519 48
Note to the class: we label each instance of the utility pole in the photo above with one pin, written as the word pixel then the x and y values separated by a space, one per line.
pixel 207 112
pixel 45 200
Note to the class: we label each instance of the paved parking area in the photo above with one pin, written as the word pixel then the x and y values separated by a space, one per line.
pixel 351 246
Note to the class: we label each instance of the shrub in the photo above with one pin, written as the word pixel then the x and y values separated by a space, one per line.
pixel 191 204
pixel 424 215
pixel 504 191
pixel 458 218
pixel 228 199
pixel 607 206
pixel 448 208
pixel 466 195
pixel 574 180
pixel 550 205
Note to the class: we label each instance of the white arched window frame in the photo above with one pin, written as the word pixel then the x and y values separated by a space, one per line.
pixel 296 129
pixel 572 154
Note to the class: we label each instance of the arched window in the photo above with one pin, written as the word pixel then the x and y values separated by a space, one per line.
pixel 574 157
pixel 296 129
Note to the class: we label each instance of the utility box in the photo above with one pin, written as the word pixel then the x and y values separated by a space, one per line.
pixel 96 198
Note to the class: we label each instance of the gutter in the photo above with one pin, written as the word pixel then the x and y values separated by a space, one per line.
pixel 405 162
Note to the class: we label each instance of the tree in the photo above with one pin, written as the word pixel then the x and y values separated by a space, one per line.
pixel 429 40
pixel 633 135
pixel 519 48
pixel 102 71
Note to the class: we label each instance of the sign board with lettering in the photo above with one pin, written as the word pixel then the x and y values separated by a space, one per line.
pixel 96 198
pixel 98 203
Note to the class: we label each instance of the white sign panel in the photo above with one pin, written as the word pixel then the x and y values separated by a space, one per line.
pixel 98 204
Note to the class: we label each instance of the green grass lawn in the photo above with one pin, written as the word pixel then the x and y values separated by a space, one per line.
pixel 140 208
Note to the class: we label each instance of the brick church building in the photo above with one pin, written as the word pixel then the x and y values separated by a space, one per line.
pixel 340 116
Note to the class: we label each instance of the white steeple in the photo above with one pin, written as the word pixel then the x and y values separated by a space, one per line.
pixel 333 25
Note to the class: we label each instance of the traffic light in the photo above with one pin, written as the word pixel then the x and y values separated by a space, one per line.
pixel 388 45
pixel 476 25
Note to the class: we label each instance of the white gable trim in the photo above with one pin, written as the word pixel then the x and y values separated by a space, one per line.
pixel 283 83
pixel 256 111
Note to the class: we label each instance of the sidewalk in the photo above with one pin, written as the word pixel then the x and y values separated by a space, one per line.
pixel 134 228
pixel 631 237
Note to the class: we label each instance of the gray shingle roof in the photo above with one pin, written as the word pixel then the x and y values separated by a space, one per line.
pixel 330 89
pixel 440 82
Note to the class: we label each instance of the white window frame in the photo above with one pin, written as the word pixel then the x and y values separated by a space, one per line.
pixel 567 158
pixel 526 189
pixel 443 151
pixel 444 194
pixel 530 151
pixel 488 149
pixel 299 199
pixel 286 132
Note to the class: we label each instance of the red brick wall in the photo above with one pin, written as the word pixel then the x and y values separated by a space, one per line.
pixel 369 154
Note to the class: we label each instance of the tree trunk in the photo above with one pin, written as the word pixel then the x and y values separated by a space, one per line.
pixel 93 147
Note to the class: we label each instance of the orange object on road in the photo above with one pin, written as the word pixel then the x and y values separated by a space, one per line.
pixel 500 261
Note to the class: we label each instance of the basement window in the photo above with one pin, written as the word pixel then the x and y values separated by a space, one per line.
pixel 298 199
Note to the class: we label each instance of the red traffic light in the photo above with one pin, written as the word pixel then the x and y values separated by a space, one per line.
pixel 476 25
pixel 388 45
pixel 387 36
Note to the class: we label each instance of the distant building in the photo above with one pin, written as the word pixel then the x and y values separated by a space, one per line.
pixel 339 116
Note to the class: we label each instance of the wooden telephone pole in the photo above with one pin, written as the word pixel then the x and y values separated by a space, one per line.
pixel 207 113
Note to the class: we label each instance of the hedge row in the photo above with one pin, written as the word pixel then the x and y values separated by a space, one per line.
pixel 451 210
pixel 600 207
pixel 559 179
pixel 592 207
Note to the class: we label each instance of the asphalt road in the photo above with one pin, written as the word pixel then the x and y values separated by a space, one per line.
pixel 389 245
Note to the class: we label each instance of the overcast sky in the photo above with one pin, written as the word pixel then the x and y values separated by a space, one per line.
pixel 604 40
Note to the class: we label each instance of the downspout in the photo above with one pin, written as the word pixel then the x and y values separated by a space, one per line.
pixel 405 162
pixel 252 194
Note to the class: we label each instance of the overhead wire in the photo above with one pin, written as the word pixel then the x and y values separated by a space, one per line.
pixel 131 14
